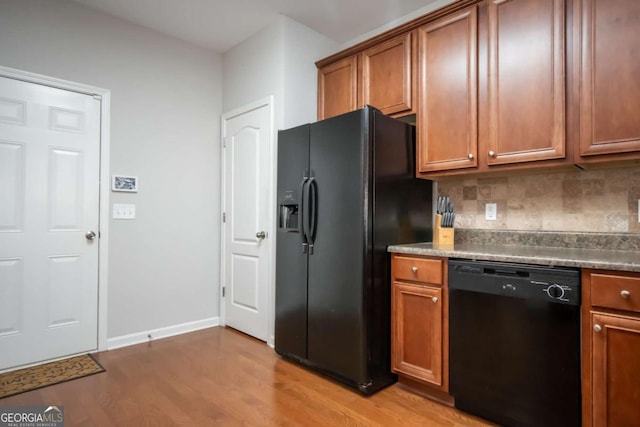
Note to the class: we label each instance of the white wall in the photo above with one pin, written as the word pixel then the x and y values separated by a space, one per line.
pixel 303 47
pixel 166 99
pixel 278 61
pixel 437 4
pixel 253 70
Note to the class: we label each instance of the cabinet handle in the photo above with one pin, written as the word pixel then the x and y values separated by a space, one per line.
pixel 435 300
pixel 597 327
pixel 625 294
pixel 492 153
pixel 414 269
pixel 470 156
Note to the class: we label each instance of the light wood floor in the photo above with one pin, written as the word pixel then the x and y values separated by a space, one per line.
pixel 221 377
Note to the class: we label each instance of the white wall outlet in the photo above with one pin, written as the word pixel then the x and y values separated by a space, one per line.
pixel 491 212
pixel 124 211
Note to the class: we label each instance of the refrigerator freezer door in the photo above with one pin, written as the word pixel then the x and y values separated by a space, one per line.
pixel 335 315
pixel 291 259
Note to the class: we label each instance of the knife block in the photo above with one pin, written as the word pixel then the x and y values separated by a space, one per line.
pixel 442 237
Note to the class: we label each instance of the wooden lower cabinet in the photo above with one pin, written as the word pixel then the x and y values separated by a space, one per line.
pixel 419 324
pixel 611 348
pixel 615 370
pixel 417 332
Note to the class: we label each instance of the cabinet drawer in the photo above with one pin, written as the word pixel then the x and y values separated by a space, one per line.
pixel 417 269
pixel 614 291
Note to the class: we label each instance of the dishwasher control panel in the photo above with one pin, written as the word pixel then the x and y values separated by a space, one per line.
pixel 558 291
pixel 543 283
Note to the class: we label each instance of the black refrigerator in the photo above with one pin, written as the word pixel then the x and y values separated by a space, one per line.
pixel 346 191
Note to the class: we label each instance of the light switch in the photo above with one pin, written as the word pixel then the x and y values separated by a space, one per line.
pixel 124 211
pixel 491 212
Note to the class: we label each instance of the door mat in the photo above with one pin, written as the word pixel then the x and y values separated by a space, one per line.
pixel 27 379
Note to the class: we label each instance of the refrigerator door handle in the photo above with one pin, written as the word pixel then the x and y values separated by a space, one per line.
pixel 303 232
pixel 312 212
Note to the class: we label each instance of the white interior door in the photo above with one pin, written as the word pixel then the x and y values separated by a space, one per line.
pixel 247 253
pixel 49 201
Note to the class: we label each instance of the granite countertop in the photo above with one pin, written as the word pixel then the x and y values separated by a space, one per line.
pixel 536 250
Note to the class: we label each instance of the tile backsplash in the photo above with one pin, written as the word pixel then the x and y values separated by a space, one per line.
pixel 598 200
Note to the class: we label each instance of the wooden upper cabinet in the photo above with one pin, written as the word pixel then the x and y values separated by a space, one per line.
pixel 447 119
pixel 526 81
pixel 387 75
pixel 610 77
pixel 382 76
pixel 338 87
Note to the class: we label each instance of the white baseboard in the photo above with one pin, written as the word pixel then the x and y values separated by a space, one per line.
pixel 169 331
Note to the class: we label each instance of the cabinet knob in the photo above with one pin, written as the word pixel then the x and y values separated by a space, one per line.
pixel 470 156
pixel 414 269
pixel 625 294
pixel 597 327
pixel 435 300
pixel 492 153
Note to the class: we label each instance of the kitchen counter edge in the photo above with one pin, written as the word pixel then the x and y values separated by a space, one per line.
pixel 565 257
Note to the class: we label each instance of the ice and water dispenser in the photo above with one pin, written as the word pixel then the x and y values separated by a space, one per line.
pixel 288 217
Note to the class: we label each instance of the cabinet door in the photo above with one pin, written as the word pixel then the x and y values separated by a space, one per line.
pixel 387 76
pixel 526 89
pixel 447 122
pixel 615 370
pixel 416 329
pixel 610 82
pixel 338 88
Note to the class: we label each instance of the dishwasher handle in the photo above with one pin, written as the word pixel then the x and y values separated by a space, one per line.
pixel 505 273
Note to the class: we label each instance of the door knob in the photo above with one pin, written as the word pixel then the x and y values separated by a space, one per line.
pixel 597 327
pixel 625 294
pixel 261 235
pixel 414 269
pixel 435 300
pixel 90 235
pixel 492 153
pixel 470 156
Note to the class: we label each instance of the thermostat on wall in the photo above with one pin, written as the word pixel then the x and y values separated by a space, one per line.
pixel 124 183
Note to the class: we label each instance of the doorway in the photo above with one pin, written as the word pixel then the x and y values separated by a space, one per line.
pixel 247 229
pixel 53 145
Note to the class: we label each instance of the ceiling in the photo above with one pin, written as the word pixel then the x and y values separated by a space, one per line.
pixel 221 24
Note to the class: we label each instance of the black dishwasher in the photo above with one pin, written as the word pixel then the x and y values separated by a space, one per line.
pixel 514 337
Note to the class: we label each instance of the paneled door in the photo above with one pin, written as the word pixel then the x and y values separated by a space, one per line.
pixel 247 250
pixel 447 122
pixel 49 192
pixel 526 90
pixel 609 83
pixel 338 88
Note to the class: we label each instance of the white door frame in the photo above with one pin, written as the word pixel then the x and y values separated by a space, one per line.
pixel 267 101
pixel 104 96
